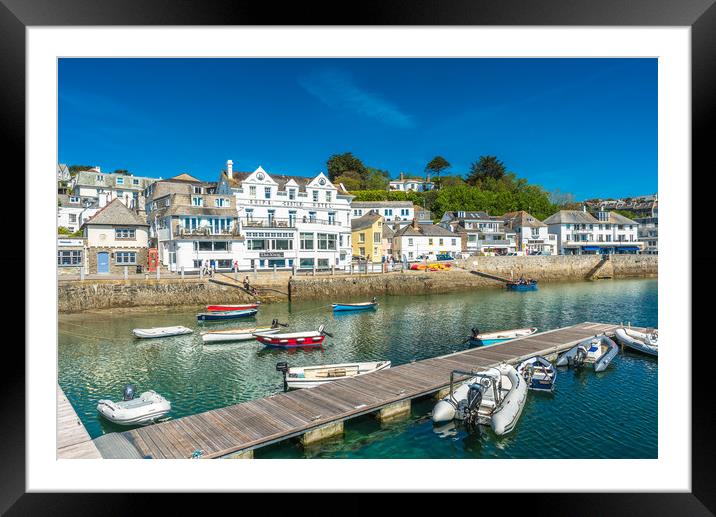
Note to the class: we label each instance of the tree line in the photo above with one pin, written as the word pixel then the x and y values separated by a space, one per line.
pixel 488 186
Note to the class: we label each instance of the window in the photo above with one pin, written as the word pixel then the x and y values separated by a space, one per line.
pixel 74 199
pixel 69 258
pixel 441 242
pixel 361 238
pixel 430 242
pixel 267 192
pixel 292 194
pixel 322 263
pixel 471 237
pixel 100 177
pixel 120 181
pixel 453 242
pixel 376 236
pixel 329 197
pixel 326 241
pixel 198 190
pixel 135 182
pixel 221 246
pixel 361 251
pixel 73 218
pixel 126 257
pixel 388 212
pixel 315 196
pixel 124 233
pixel 306 263
pixel 252 191
pixel 357 213
pixel 283 244
pixel 307 241
pixel 405 212
pixel 256 244
pixel 410 242
pixel 331 218
pixel 197 201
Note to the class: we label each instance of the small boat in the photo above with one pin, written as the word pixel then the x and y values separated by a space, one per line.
pixel 494 397
pixel 490 338
pixel 161 332
pixel 310 376
pixel 355 306
pixel 597 351
pixel 226 315
pixel 522 285
pixel 294 339
pixel 134 411
pixel 646 342
pixel 539 373
pixel 222 308
pixel 245 334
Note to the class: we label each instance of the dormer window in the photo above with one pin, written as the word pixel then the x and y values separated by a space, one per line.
pixel 198 190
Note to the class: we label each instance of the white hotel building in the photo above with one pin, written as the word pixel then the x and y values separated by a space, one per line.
pixel 290 221
pixel 580 233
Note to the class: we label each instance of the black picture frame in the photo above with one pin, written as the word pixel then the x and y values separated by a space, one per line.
pixel 700 15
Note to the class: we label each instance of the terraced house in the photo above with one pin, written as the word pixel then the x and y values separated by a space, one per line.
pixel 368 237
pixel 192 225
pixel 105 187
pixel 579 233
pixel 290 221
pixel 532 235
pixel 115 237
pixel 397 214
pixel 479 232
pixel 416 241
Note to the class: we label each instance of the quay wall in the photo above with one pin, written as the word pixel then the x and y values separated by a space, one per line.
pixel 462 277
pixel 78 296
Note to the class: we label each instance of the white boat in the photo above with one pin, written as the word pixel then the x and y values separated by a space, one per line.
pixel 490 338
pixel 494 397
pixel 539 373
pixel 310 376
pixel 134 411
pixel 597 351
pixel 161 332
pixel 646 342
pixel 247 334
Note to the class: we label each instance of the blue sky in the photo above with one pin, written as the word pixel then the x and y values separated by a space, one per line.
pixel 586 126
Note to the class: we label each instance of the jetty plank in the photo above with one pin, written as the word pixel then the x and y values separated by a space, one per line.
pixel 256 423
pixel 73 440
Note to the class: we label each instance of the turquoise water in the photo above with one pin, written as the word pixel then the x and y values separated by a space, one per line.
pixel 612 414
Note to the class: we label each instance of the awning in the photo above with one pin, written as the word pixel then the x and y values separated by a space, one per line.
pixel 628 248
pixel 591 248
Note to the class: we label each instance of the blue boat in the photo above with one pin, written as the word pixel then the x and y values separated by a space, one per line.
pixel 522 285
pixel 490 338
pixel 539 373
pixel 364 306
pixel 226 315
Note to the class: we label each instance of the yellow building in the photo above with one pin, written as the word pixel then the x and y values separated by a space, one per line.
pixel 367 237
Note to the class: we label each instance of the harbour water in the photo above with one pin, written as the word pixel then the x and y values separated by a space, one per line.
pixel 612 414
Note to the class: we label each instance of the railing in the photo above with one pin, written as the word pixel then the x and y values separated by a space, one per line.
pixel 496 242
pixel 205 231
pixel 276 222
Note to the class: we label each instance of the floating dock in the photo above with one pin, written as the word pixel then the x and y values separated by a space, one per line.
pixel 73 440
pixel 317 413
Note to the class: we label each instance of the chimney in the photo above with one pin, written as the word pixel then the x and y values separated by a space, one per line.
pixel 427 177
pixel 401 177
pixel 415 224
pixel 584 208
pixel 229 168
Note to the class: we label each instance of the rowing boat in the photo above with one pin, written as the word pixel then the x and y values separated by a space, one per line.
pixel 245 334
pixel 240 307
pixel 161 332
pixel 490 338
pixel 226 315
pixel 337 307
pixel 299 377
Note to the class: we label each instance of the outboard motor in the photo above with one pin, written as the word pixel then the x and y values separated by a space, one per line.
pixel 474 399
pixel 283 368
pixel 579 357
pixel 128 392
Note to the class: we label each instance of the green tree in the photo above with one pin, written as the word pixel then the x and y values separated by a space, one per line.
pixel 486 167
pixel 351 181
pixel 338 164
pixel 74 169
pixel 436 166
pixel 375 179
pixel 452 181
pixel 122 171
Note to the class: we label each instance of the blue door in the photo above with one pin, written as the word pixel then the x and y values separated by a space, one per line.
pixel 103 262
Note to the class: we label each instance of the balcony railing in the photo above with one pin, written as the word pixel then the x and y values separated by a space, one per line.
pixel 276 222
pixel 205 231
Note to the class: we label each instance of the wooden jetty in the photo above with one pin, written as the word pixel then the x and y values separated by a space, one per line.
pixel 73 441
pixel 316 413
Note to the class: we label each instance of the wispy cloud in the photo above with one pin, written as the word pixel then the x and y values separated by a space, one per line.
pixel 338 90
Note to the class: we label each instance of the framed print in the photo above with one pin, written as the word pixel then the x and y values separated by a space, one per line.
pixel 424 240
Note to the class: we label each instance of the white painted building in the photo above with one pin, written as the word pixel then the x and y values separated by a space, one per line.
pixel 480 233
pixel 401 213
pixel 415 241
pixel 192 226
pixel 579 232
pixel 290 221
pixel 73 211
pixel 106 187
pixel 532 235
pixel 403 184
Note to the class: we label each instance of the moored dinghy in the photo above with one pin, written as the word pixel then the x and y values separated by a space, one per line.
pixel 490 338
pixel 299 377
pixel 240 307
pixel 538 372
pixel 161 332
pixel 243 334
pixel 494 397
pixel 646 342
pixel 597 351
pixel 226 315
pixel 313 338
pixel 337 307
pixel 145 409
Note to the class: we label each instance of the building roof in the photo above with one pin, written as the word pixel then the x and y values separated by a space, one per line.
pixel 522 219
pixel 424 230
pixel 84 201
pixel 366 221
pixel 386 204
pixel 571 217
pixel 116 214
pixel 388 232
pixel 185 177
pixel 615 218
pixel 302 181
pixel 108 180
pixel 468 215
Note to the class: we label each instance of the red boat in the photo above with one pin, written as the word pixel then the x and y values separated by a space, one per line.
pixel 222 308
pixel 294 339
